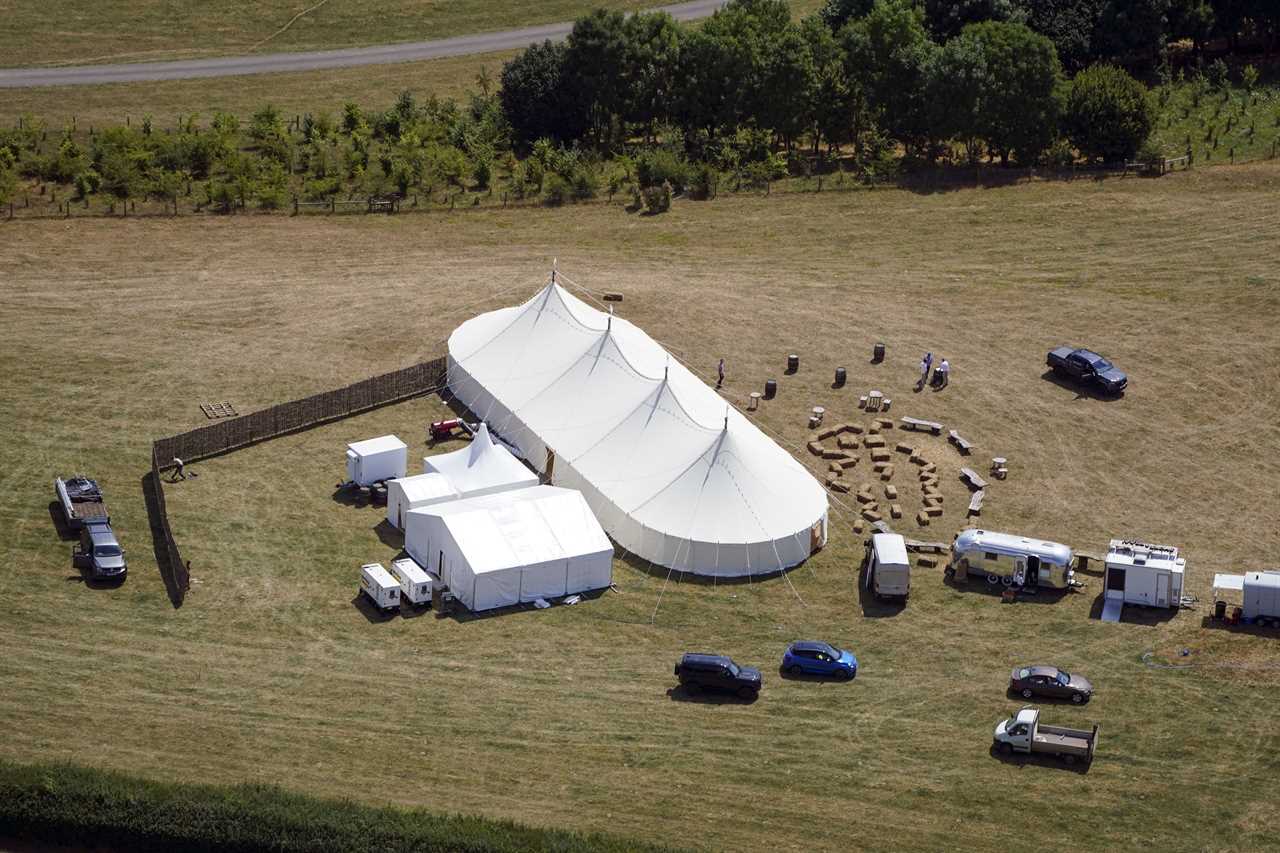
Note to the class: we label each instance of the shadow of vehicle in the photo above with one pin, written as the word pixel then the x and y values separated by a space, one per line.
pixel 1134 614
pixel 811 677
pixel 1256 630
pixel 372 614
pixel 356 496
pixel 1023 759
pixel 1015 696
pixel 59 519
pixel 1027 595
pixel 686 693
pixel 873 606
pixel 1082 390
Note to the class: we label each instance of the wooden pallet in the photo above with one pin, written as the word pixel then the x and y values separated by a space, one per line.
pixel 212 411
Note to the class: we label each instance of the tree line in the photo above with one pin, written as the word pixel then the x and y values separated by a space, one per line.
pixel 964 78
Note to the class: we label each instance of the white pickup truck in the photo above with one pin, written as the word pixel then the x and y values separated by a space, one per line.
pixel 1024 733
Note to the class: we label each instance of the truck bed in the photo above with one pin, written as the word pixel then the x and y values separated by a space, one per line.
pixel 81 500
pixel 1062 741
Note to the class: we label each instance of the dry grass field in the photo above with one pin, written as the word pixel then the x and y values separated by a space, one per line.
pixel 116 331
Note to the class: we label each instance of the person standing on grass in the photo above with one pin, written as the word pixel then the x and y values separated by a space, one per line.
pixel 720 374
pixel 924 372
pixel 179 469
pixel 944 374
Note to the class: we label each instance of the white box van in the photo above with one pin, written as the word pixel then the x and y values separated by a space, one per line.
pixel 416 583
pixel 376 459
pixel 888 566
pixel 381 588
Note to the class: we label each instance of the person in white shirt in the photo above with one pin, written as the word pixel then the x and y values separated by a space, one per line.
pixel 943 374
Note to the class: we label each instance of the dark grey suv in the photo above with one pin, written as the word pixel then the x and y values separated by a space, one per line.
pixel 718 672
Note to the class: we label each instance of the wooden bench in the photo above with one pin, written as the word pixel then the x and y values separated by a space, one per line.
pixel 962 444
pixel 882 526
pixel 972 477
pixel 975 502
pixel 917 546
pixel 924 426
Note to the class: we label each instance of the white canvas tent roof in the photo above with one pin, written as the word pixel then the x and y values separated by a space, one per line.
pixel 509 547
pixel 405 493
pixel 674 473
pixel 481 468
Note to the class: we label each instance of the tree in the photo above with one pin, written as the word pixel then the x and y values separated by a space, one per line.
pixel 1018 112
pixel 704 102
pixel 653 55
pixel 1107 115
pixel 887 55
pixel 787 86
pixel 1069 24
pixel 836 13
pixel 834 102
pixel 594 65
pixel 535 99
pixel 958 84
pixel 1133 30
pixel 946 18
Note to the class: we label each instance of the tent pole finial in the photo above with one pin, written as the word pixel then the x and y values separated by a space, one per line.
pixel 609 322
pixel 553 270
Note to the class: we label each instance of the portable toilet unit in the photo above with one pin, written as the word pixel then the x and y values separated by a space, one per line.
pixel 416 584
pixel 406 493
pixel 888 567
pixel 1262 595
pixel 1141 573
pixel 380 586
pixel 377 459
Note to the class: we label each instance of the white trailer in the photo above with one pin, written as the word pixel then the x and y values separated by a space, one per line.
pixel 1259 595
pixel 376 459
pixel 380 586
pixel 1141 573
pixel 888 566
pixel 416 583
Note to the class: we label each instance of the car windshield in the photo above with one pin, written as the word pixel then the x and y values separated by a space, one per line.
pixel 1063 678
pixel 733 669
pixel 107 551
pixel 833 652
pixel 1023 673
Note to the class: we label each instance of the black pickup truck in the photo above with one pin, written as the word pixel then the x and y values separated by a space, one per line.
pixel 1087 366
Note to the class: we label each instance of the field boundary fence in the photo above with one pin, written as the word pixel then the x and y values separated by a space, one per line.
pixel 281 419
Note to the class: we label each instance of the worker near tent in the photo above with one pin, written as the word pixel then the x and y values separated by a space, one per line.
pixel 720 374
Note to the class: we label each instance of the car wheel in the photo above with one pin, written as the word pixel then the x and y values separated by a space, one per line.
pixel 692 688
pixel 846 674
pixel 747 693
pixel 1069 759
pixel 1077 698
pixel 1026 693
pixel 795 669
pixel 993 580
pixel 1006 749
pixel 1007 580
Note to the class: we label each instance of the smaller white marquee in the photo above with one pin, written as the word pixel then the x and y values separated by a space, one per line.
pixel 512 547
pixel 406 493
pixel 482 468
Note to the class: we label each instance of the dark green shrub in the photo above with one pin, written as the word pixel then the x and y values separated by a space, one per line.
pixel 660 164
pixel 1107 116
pixel 585 185
pixel 557 190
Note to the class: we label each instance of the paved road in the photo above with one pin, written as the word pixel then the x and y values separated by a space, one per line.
pixel 270 63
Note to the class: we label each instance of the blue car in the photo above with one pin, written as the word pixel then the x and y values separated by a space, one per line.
pixel 819 659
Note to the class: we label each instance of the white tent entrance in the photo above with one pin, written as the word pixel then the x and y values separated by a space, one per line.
pixel 673 473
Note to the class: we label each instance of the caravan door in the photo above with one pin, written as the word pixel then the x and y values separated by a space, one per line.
pixel 1115 583
pixel 1162 589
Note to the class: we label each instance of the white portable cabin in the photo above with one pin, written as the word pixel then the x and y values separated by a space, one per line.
pixel 1259 593
pixel 1013 559
pixel 512 547
pixel 382 589
pixel 1141 573
pixel 416 584
pixel 888 566
pixel 406 493
pixel 484 467
pixel 376 459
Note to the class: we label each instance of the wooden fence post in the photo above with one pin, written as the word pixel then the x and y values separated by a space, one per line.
pixel 295 205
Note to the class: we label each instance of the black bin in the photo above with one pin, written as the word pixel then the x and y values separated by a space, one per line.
pixel 840 377
pixel 793 363
pixel 1219 610
pixel 770 389
pixel 877 353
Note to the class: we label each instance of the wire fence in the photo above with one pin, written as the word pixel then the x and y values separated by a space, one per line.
pixel 281 419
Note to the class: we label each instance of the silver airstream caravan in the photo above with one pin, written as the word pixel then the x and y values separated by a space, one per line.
pixel 1011 560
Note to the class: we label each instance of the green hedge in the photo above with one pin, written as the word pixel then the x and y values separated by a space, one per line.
pixel 71 805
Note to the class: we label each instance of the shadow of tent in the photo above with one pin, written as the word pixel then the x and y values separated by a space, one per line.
pixel 653 570
pixel 391 537
pixel 168 572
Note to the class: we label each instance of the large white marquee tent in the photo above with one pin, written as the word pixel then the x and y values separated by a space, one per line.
pixel 674 474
